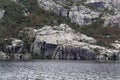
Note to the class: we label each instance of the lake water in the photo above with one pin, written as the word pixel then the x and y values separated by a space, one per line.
pixel 59 70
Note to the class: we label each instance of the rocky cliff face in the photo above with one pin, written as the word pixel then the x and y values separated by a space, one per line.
pixel 64 52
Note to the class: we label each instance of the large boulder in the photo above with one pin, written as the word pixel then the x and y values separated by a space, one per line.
pixel 56 41
pixel 49 38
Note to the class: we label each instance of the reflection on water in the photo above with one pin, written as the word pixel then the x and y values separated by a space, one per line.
pixel 59 70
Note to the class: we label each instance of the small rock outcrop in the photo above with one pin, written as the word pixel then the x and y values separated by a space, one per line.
pixel 2 13
pixel 3 56
pixel 17 46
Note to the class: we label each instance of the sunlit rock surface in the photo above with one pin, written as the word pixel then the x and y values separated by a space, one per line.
pixel 61 34
pixel 3 56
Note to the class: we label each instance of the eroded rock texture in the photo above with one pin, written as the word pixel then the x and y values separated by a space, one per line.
pixel 65 52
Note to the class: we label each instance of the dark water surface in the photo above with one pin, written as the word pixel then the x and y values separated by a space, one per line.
pixel 59 70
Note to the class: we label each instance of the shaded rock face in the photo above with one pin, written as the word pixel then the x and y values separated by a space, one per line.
pixel 14 49
pixel 43 49
pixel 73 53
pixel 62 52
pixel 98 5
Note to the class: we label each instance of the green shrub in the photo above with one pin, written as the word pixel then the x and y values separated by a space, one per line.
pixel 2 42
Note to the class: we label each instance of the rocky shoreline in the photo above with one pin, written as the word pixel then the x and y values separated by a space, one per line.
pixel 57 42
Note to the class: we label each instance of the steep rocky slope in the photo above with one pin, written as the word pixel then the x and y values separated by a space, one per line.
pixel 77 14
